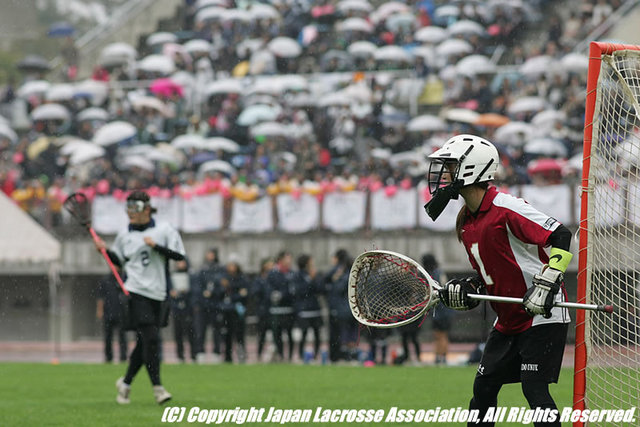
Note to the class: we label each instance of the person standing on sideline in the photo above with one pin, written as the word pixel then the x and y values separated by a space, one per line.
pixel 233 306
pixel 307 306
pixel 505 239
pixel 281 299
pixel 260 297
pixel 208 305
pixel 109 311
pixel 181 297
pixel 143 251
pixel 343 329
pixel 441 314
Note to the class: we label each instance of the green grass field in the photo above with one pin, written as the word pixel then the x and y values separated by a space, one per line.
pixel 84 394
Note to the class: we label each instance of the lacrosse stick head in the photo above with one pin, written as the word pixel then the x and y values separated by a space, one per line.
pixel 78 205
pixel 388 289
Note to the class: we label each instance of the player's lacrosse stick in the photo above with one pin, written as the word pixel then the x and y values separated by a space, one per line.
pixel 79 207
pixel 388 289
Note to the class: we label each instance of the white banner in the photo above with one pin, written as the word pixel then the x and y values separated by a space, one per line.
pixel 297 215
pixel 255 217
pixel 552 200
pixel 447 219
pixel 109 215
pixel 169 210
pixel 395 212
pixel 202 213
pixel 344 212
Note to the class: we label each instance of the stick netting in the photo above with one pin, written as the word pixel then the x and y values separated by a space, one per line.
pixel 79 207
pixel 613 250
pixel 388 289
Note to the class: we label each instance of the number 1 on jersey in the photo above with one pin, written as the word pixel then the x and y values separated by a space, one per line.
pixel 475 252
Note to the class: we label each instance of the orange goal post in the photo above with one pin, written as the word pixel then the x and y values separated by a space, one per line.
pixel 607 354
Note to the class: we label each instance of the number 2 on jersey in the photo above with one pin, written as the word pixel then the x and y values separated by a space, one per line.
pixel 475 252
pixel 144 258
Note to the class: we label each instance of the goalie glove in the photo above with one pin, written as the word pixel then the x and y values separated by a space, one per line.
pixel 455 293
pixel 539 298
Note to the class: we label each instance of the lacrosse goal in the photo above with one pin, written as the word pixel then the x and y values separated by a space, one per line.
pixel 607 358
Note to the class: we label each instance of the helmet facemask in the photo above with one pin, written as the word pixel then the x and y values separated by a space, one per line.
pixel 444 185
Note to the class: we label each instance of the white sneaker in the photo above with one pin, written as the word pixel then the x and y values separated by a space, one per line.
pixel 161 394
pixel 123 391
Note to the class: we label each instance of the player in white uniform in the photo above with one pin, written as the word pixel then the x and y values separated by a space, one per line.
pixel 144 251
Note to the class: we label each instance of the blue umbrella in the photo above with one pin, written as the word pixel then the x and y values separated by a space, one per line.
pixel 61 29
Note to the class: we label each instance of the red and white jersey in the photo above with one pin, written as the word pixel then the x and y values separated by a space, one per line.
pixel 504 241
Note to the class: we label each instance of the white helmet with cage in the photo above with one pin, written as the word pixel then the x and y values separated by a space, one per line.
pixel 463 160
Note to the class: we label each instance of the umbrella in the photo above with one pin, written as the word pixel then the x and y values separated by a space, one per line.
pixel 216 166
pixel 546 147
pixel 117 53
pixel 514 133
pixel 575 62
pixel 465 27
pixel 335 99
pixel 201 4
pixel 462 115
pixel 285 47
pixel 84 152
pixel 157 64
pixel 427 53
pixel 166 87
pixel 547 118
pixel 396 22
pixel 392 54
pixel 341 144
pixel 451 47
pixel 430 34
pixel 258 113
pixel 61 29
pixel 391 7
pixel 38 146
pixel 50 112
pixel 426 122
pixel 33 87
pixel 362 48
pixel 97 91
pixel 355 24
pixel 188 141
pixel 223 86
pixel 475 64
pixel 60 92
pixel 214 13
pixel 536 65
pixel 381 153
pixel 92 113
pixel 527 104
pixel 237 15
pixel 140 162
pixel 34 63
pixel 264 11
pixel 343 59
pixel 491 120
pixel 149 102
pixel 261 62
pixel 220 143
pixel 197 46
pixel 8 133
pixel 346 6
pixel 270 129
pixel 545 166
pixel 443 12
pixel 161 37
pixel 114 132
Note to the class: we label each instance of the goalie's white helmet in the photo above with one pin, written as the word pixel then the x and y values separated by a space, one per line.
pixel 464 160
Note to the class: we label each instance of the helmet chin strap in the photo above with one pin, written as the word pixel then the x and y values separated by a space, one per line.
pixel 441 197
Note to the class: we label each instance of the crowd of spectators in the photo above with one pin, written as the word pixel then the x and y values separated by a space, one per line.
pixel 298 94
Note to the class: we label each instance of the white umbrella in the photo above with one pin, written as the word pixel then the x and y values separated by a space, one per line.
pixel 216 166
pixel 223 86
pixel 445 11
pixel 83 152
pixel 547 118
pixel 72 144
pixel 462 115
pixel 237 15
pixel 426 122
pixel 60 92
pixel 262 61
pixel 392 53
pixel 451 47
pixel 575 62
pixel 188 141
pixel 430 34
pixel 96 90
pixel 465 27
pixel 354 6
pixel 536 65
pixel 546 147
pixel 391 7
pixel 150 102
pixel 114 132
pixel 117 53
pixel 139 162
pixel 50 112
pixel 8 133
pixel 33 87
pixel 514 133
pixel 201 4
pixel 355 24
pixel 475 64
pixel 210 14
pixel 381 153
pixel 157 64
pixel 406 20
pixel 427 53
pixel 197 46
pixel 219 143
pixel 335 99
pixel 270 129
pixel 527 104
pixel 258 113
pixel 285 47
pixel 161 37
pixel 264 11
pixel 92 113
pixel 341 144
pixel 362 48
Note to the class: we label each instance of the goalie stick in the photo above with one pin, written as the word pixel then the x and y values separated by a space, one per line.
pixel 388 289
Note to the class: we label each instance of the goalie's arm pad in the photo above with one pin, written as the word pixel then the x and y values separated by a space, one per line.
pixel 560 241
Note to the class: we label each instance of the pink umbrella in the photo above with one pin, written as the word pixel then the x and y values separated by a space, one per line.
pixel 166 87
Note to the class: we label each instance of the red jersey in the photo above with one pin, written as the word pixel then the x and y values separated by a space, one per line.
pixel 505 242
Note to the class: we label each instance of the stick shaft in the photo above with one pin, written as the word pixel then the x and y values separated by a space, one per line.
pixel 109 262
pixel 512 300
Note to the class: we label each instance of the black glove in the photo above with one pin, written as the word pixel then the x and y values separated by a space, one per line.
pixel 455 293
pixel 540 297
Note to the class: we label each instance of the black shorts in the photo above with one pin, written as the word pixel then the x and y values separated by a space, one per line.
pixel 146 311
pixel 535 354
